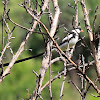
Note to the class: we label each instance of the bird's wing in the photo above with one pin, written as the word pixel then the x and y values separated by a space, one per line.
pixel 67 38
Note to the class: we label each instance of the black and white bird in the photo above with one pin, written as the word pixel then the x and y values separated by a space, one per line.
pixel 71 39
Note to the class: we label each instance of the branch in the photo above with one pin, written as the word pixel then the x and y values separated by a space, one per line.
pixel 76 12
pixel 70 81
pixel 86 19
pixel 46 58
pixel 21 48
pixel 54 78
pixel 64 78
pixel 95 19
pixel 96 53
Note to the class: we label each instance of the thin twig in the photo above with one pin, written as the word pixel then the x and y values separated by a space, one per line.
pixel 50 76
pixel 83 81
pixel 95 96
pixel 95 19
pixel 54 78
pixel 76 12
pixel 64 78
pixel 70 81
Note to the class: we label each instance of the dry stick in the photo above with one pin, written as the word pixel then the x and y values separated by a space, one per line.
pixel 3 19
pixel 57 59
pixel 64 78
pixel 30 30
pixel 83 81
pixel 97 60
pixel 76 12
pixel 86 91
pixel 21 48
pixel 95 96
pixel 70 81
pixel 35 73
pixel 96 53
pixel 40 29
pixel 29 3
pixel 86 19
pixel 27 94
pixel 95 19
pixel 57 76
pixel 7 44
pixel 46 59
pixel 61 73
pixel 51 97
pixel 50 17
pixel 54 78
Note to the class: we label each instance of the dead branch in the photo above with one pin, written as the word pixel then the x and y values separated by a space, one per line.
pixel 95 20
pixel 46 58
pixel 96 53
pixel 21 48
pixel 64 78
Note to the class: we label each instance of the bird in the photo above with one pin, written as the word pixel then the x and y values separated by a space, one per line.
pixel 70 40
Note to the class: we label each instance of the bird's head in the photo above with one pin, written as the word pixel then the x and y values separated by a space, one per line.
pixel 78 30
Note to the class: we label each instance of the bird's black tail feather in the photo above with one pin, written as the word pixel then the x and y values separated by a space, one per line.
pixel 21 60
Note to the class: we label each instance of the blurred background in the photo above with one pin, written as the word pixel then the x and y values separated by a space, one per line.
pixel 21 77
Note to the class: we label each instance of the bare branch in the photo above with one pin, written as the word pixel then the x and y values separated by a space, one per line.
pixel 95 19
pixel 76 12
pixel 70 81
pixel 54 78
pixel 86 19
pixel 96 53
pixel 64 78
pixel 46 58
pixel 95 96
pixel 21 48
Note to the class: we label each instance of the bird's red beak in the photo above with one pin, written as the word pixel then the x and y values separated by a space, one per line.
pixel 81 30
